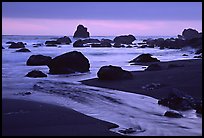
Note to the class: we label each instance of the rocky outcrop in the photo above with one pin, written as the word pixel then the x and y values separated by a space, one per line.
pixel 144 58
pixel 190 34
pixel 81 32
pixel 113 73
pixel 38 60
pixel 64 40
pixel 69 63
pixel 17 45
pixel 124 39
pixel 36 74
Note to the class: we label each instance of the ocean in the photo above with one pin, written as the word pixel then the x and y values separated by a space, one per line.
pixel 122 108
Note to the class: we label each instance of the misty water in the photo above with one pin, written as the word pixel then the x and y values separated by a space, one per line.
pixel 128 110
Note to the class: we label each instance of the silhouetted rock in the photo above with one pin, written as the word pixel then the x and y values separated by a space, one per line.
pixel 190 34
pixel 106 40
pixel 23 50
pixel 173 114
pixel 51 43
pixel 17 45
pixel 78 43
pixel 69 63
pixel 113 73
pixel 144 58
pixel 81 32
pixel 118 45
pixel 153 67
pixel 124 39
pixel 38 60
pixel 64 40
pixel 184 55
pixel 200 56
pixel 10 42
pixel 91 40
pixel 36 74
pixel 106 44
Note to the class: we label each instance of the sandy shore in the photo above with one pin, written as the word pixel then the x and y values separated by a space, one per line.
pixel 185 76
pixel 28 118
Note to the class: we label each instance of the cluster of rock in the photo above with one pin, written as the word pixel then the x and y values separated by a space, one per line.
pixel 67 63
pixel 189 37
pixel 62 40
pixel 119 41
pixel 181 102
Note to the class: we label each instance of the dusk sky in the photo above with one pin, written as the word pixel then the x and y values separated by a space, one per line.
pixel 101 18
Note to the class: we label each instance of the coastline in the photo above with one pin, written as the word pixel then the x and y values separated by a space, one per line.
pixel 185 76
pixel 30 118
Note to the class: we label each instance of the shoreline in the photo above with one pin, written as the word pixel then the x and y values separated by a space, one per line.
pixel 31 118
pixel 185 76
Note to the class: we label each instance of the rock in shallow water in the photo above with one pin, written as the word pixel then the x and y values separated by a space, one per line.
pixel 36 74
pixel 173 114
pixel 69 63
pixel 38 60
pixel 144 58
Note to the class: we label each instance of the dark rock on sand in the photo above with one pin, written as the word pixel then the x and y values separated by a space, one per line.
pixel 69 63
pixel 124 39
pixel 64 40
pixel 173 114
pixel 153 67
pixel 143 58
pixel 81 32
pixel 180 101
pixel 23 50
pixel 10 42
pixel 113 73
pixel 36 74
pixel 38 60
pixel 17 45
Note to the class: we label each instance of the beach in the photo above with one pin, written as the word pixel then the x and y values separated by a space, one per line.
pixel 185 76
pixel 29 118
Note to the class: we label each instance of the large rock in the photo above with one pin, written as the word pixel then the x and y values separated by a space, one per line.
pixel 81 32
pixel 38 60
pixel 69 63
pixel 124 39
pixel 36 74
pixel 113 73
pixel 64 40
pixel 144 58
pixel 190 34
pixel 17 45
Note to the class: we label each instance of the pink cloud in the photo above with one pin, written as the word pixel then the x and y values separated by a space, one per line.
pixel 96 27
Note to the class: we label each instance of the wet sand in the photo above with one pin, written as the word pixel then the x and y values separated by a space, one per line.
pixel 29 118
pixel 184 76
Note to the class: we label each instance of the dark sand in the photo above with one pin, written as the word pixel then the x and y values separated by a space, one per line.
pixel 28 118
pixel 186 77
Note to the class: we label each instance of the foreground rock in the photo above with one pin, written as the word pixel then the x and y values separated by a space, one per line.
pixel 69 63
pixel 180 101
pixel 81 32
pixel 124 39
pixel 36 74
pixel 17 45
pixel 23 50
pixel 64 40
pixel 144 58
pixel 113 73
pixel 38 60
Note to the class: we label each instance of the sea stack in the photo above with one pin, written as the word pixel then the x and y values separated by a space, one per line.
pixel 81 32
